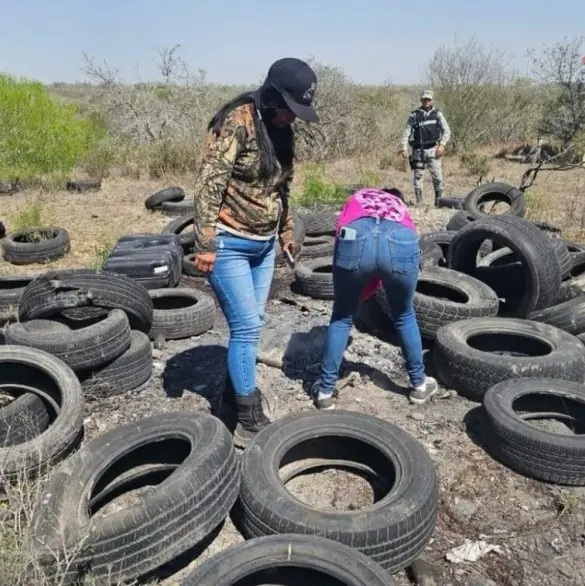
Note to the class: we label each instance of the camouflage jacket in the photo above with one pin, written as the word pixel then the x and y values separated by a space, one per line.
pixel 229 193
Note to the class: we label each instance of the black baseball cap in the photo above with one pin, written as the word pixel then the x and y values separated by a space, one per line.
pixel 296 82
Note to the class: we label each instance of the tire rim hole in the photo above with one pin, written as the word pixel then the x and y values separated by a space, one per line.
pixel 551 413
pixel 170 302
pixel 288 576
pixel 439 291
pixel 126 481
pixel 337 473
pixel 509 344
pixel 492 203
pixel 35 236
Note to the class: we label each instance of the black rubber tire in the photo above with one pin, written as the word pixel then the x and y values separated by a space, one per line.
pixel 11 289
pixel 178 208
pixel 89 347
pixel 178 514
pixel 87 292
pixel 564 256
pixel 568 316
pixel 553 231
pixel 527 449
pixel 181 313
pixel 169 194
pixel 496 191
pixel 298 239
pixel 38 369
pixel 56 245
pixel 573 247
pixel 318 285
pixel 459 220
pixel 22 419
pixel 393 532
pixel 129 371
pixel 471 371
pixel 2 230
pixel 433 311
pixel 289 559
pixel 541 267
pixel 317 247
pixel 82 185
pixel 454 203
pixel 320 223
pixel 182 226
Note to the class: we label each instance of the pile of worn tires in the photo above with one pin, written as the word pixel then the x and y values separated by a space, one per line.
pixel 200 482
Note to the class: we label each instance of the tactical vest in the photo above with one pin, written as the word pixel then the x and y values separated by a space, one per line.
pixel 426 129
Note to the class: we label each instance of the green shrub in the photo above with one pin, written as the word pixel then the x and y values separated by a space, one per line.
pixel 28 217
pixel 39 136
pixel 475 164
pixel 316 189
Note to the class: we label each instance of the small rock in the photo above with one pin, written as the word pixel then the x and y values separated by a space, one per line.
pixel 479 580
pixel 416 416
pixel 463 510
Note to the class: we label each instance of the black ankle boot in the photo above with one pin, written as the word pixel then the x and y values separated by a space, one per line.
pixel 251 418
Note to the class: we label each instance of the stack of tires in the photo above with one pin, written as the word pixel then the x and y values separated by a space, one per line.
pixel 513 340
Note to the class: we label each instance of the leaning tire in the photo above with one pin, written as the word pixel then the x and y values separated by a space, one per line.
pixel 24 247
pixel 574 285
pixel 170 194
pixel 192 457
pixel 89 347
pixel 127 372
pixel 97 292
pixel 472 355
pixel 496 192
pixel 179 208
pixel 392 533
pixel 20 365
pixel 525 448
pixel 179 226
pixel 444 296
pixel 541 267
pixel 315 277
pixel 181 313
pixel 288 559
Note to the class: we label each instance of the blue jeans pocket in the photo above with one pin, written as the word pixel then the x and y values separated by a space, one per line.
pixel 404 254
pixel 348 253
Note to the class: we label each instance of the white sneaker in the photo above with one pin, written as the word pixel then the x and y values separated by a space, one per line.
pixel 421 393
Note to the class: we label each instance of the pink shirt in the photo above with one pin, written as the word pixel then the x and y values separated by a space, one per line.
pixel 378 204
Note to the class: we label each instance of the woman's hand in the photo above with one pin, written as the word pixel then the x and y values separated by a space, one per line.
pixel 204 261
pixel 289 249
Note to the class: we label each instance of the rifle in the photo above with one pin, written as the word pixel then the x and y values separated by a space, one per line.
pixel 417 162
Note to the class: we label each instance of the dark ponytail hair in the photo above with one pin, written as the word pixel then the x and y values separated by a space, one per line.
pixel 394 191
pixel 275 145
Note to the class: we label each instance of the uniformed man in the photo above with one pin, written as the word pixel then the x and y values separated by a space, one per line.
pixel 428 133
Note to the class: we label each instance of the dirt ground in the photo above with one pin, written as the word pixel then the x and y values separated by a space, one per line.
pixel 538 528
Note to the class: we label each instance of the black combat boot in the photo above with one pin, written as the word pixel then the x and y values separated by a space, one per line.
pixel 251 418
pixel 438 195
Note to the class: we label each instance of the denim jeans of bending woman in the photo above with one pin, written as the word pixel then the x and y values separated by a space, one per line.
pixel 241 281
pixel 391 251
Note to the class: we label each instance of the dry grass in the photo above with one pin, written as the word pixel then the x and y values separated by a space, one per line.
pixel 95 220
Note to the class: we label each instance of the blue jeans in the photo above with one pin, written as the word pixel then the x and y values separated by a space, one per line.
pixel 390 251
pixel 241 281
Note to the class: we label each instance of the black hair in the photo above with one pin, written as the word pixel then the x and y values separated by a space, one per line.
pixel 275 145
pixel 394 191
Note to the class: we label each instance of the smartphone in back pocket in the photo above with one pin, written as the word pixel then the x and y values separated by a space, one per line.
pixel 347 233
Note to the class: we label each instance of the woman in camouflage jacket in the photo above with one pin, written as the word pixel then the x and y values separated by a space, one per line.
pixel 241 206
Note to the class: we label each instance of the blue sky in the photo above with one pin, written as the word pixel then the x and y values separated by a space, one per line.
pixel 235 41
